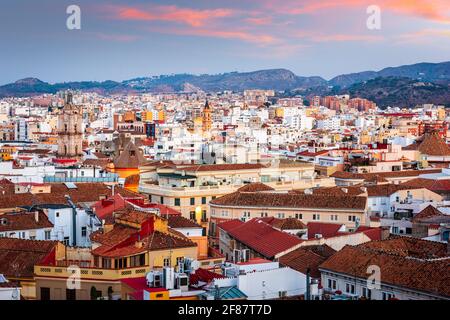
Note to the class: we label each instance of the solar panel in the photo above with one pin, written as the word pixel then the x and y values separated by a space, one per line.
pixel 70 185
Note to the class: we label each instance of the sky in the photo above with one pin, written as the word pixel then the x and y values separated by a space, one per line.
pixel 123 39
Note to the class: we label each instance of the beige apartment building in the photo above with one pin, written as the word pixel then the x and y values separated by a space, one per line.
pixel 189 189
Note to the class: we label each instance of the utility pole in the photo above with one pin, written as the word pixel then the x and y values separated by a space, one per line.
pixel 308 286
pixel 74 220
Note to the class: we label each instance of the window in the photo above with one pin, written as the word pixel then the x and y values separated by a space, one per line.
pixel 334 217
pixel 213 197
pixel 57 214
pixel 137 261
pixel 180 260
pixel 281 215
pixel 298 216
pixel 192 201
pixel 161 200
pixel 177 202
pixel 387 296
pixel 166 262
pixel 367 293
pixel 106 263
pixel 331 284
pixel 352 218
pixel 316 216
pixel 350 288
pixel 203 200
pixel 83 231
pixel 204 218
pixel 66 241
pixel 192 215
pixel 395 230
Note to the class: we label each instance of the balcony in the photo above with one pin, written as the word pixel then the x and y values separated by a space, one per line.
pixel 89 273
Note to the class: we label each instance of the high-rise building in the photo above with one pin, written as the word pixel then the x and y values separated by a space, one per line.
pixel 70 131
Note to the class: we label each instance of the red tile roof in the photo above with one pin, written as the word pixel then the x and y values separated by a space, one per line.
pixel 24 221
pixel 397 268
pixel 428 212
pixel 390 174
pixel 85 192
pixel 307 257
pixel 290 200
pixel 182 222
pixel 430 144
pixel 327 230
pixel 203 275
pixel 18 256
pixel 263 238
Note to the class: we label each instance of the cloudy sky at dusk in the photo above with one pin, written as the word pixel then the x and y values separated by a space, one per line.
pixel 124 39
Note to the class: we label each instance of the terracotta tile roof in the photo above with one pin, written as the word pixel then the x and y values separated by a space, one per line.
pixel 24 221
pixel 307 257
pixel 203 275
pixel 118 234
pixel 390 174
pixel 154 242
pixel 327 230
pixel 428 212
pixel 18 257
pixel 182 222
pixel 439 186
pixel 130 157
pixel 409 247
pixel 263 238
pixel 221 167
pixel 85 192
pixel 231 224
pixel 287 224
pixel 100 163
pixel 430 144
pixel 255 187
pixel 290 200
pixel 430 276
pixel 133 216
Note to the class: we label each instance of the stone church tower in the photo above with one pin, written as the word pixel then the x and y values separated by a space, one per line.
pixel 70 130
pixel 206 118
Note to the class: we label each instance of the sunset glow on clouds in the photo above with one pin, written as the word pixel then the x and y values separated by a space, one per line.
pixel 311 37
pixel 276 21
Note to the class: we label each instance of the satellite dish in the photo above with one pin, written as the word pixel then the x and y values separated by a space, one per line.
pixel 15 294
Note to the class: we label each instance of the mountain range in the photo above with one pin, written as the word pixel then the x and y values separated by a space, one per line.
pixel 394 86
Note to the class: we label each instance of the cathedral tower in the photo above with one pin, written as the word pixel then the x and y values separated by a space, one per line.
pixel 70 131
pixel 206 117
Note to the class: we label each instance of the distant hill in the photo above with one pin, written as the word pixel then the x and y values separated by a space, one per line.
pixel 436 77
pixel 433 72
pixel 400 91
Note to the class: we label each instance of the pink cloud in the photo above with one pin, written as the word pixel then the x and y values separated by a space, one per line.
pixel 435 10
pixel 262 39
pixel 192 17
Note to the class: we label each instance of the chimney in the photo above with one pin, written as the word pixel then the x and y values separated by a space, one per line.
pixel 364 189
pixel 344 190
pixel 36 216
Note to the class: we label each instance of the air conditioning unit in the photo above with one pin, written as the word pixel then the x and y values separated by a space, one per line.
pixel 182 281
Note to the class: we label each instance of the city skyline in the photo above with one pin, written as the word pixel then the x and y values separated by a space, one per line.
pixel 119 41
